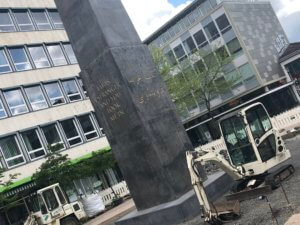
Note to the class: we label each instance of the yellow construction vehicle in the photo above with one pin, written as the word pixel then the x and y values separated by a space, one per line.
pixel 253 149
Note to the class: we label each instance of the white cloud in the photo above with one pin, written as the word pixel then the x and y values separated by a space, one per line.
pixel 288 7
pixel 148 15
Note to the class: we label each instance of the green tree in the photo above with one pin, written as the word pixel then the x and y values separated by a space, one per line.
pixel 200 77
pixel 4 185
pixel 58 168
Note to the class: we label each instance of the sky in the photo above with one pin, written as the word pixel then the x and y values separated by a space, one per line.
pixel 148 15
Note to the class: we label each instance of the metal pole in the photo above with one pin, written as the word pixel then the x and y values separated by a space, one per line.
pixel 273 216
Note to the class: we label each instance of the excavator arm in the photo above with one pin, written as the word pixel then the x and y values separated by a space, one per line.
pixel 211 212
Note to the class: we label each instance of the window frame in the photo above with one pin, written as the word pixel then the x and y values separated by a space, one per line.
pixel 59 134
pixel 23 47
pixel 3 109
pixel 72 138
pixel 46 15
pixel 7 60
pixel 36 150
pixel 23 98
pixel 54 64
pixel 45 54
pixel 90 132
pixel 71 95
pixel 54 24
pixel 32 103
pixel 61 91
pixel 15 157
pixel 22 24
pixel 11 19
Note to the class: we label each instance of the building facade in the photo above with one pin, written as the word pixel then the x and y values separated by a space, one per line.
pixel 42 99
pixel 248 31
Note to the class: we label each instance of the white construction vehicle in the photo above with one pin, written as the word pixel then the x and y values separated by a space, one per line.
pixel 55 209
pixel 254 147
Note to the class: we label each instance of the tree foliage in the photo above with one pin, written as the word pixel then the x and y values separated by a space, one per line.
pixel 201 77
pixel 58 168
pixel 4 184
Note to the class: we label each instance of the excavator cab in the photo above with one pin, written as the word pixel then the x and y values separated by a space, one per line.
pixel 252 142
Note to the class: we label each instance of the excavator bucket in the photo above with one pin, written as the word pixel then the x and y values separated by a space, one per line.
pixel 226 211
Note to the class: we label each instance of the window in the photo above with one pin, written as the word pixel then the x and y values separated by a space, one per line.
pixel 23 20
pixel 57 55
pixel 71 132
pixel 56 19
pixel 211 31
pixel 33 144
pixel 54 93
pixel 83 88
pixel 52 136
pixel 71 90
pixel 11 151
pixel 20 58
pixel 222 53
pixel 70 53
pixel 200 39
pixel 6 24
pixel 234 47
pixel 36 98
pixel 171 58
pixel 179 52
pixel 246 71
pixel 189 45
pixel 15 101
pixel 88 127
pixel 205 7
pixel 39 56
pixel 60 195
pixel 4 65
pixel 50 199
pixel 41 20
pixel 2 110
pixel 223 24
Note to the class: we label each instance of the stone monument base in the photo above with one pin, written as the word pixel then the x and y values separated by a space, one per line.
pixel 182 209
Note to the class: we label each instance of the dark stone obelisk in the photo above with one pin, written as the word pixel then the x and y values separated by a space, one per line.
pixel 130 100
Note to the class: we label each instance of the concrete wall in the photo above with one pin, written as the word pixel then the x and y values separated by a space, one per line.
pixel 41 117
pixel 27 4
pixel 40 75
pixel 257 27
pixel 32 37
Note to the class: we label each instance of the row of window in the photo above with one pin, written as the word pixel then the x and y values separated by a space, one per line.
pixel 185 22
pixel 33 143
pixel 40 96
pixel 21 58
pixel 200 40
pixel 29 19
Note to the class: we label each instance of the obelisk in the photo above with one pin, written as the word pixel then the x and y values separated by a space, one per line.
pixel 130 100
